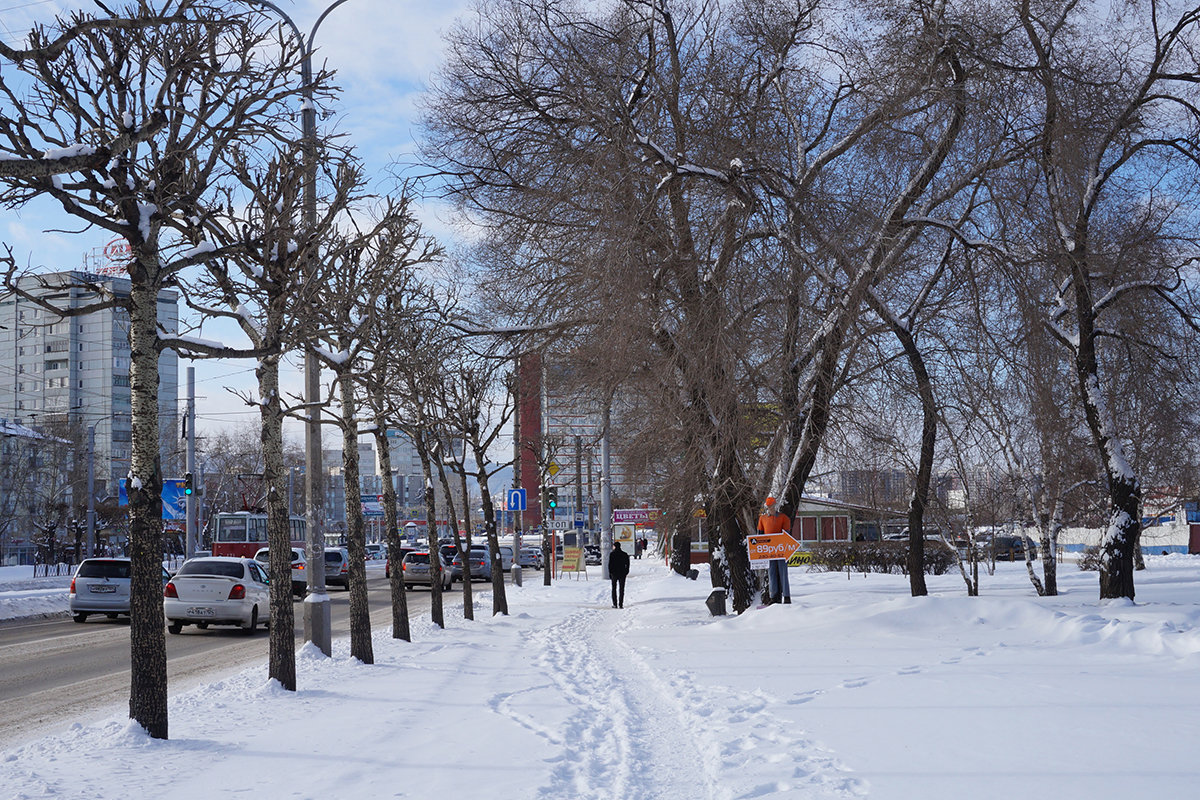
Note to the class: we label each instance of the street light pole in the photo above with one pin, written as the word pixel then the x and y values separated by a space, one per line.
pixel 91 492
pixel 317 618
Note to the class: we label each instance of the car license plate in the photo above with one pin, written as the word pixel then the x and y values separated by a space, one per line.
pixel 102 588
pixel 201 611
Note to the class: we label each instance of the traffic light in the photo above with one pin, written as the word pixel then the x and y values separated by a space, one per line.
pixel 552 497
pixel 189 485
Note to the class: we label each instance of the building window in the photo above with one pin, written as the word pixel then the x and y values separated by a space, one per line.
pixel 121 380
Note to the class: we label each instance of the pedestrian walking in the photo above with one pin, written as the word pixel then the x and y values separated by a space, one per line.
pixel 771 521
pixel 618 570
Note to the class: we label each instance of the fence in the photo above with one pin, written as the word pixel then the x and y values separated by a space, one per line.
pixel 52 570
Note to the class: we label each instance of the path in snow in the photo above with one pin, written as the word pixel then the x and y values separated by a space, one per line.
pixel 624 739
pixel 638 735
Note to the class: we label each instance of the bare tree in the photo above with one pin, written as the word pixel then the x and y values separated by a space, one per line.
pixel 265 286
pixel 1112 125
pixel 480 406
pixel 220 82
pixel 342 319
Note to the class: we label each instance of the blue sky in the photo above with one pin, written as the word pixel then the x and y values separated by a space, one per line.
pixel 384 52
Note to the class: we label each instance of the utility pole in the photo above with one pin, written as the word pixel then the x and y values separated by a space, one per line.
pixel 605 491
pixel 578 489
pixel 317 617
pixel 91 492
pixel 189 501
pixel 518 514
pixel 591 501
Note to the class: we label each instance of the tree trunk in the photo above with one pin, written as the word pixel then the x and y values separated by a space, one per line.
pixel 1124 491
pixel 147 633
pixel 435 587
pixel 468 599
pixel 920 495
pixel 452 513
pixel 356 537
pixel 282 657
pixel 499 595
pixel 391 524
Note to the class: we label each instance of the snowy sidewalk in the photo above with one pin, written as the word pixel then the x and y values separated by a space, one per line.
pixel 854 690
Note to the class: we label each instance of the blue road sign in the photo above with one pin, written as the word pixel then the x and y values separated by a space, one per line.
pixel 578 519
pixel 516 499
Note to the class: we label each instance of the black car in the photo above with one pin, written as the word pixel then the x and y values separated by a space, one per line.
pixel 592 555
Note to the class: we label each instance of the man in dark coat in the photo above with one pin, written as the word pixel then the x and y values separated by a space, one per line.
pixel 618 570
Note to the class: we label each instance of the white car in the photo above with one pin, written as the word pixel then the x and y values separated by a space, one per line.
pixel 299 565
pixel 219 590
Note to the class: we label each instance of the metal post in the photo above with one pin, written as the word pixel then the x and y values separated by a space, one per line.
pixel 200 495
pixel 91 491
pixel 189 501
pixel 317 618
pixel 578 490
pixel 605 492
pixel 518 514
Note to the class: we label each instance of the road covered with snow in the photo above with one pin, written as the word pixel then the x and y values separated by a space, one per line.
pixel 853 690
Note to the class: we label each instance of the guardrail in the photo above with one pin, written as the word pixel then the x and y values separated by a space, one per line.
pixel 52 570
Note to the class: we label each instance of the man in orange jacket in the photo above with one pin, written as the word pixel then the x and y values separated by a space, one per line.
pixel 772 521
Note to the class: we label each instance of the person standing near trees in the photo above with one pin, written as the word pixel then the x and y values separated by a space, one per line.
pixel 769 522
pixel 618 570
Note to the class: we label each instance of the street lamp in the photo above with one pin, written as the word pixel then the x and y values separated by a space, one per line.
pixel 317 620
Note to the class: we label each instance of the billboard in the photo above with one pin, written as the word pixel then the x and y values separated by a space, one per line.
pixel 173 498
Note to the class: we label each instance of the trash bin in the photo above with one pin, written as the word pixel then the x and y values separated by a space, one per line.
pixel 716 602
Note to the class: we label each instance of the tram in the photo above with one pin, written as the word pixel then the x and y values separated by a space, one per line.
pixel 244 533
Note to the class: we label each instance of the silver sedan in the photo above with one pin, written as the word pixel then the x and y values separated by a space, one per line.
pixel 417 569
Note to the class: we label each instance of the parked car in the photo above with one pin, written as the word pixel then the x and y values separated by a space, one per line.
pixel 418 570
pixel 376 552
pixel 337 567
pixel 506 554
pixel 299 568
pixel 219 590
pixel 1012 548
pixel 531 557
pixel 592 555
pixel 101 586
pixel 479 566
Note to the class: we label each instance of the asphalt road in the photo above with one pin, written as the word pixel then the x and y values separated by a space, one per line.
pixel 54 672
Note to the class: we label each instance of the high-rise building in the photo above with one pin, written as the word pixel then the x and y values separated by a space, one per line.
pixel 75 370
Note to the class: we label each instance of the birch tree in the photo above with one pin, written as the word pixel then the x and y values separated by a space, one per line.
pixel 1112 127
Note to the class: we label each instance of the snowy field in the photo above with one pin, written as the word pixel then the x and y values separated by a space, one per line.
pixel 854 690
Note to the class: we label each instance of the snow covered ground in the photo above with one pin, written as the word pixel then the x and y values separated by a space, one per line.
pixel 854 690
